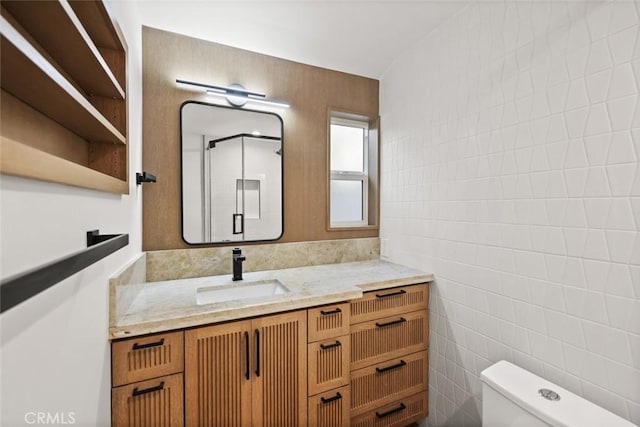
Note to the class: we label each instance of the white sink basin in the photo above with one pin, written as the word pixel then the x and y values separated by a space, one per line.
pixel 240 291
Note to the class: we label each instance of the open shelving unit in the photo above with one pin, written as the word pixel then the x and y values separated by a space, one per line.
pixel 64 106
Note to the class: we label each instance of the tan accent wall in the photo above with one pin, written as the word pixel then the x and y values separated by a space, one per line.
pixel 311 91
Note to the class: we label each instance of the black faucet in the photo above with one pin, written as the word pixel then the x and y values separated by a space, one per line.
pixel 238 258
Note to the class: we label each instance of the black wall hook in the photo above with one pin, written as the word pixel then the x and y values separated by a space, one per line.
pixel 144 177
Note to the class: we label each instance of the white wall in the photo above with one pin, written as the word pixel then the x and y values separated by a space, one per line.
pixel 510 169
pixel 55 353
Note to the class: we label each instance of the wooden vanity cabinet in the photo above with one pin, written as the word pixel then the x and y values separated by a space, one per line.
pixel 359 363
pixel 248 373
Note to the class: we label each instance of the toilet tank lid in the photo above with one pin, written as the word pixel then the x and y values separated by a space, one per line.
pixel 521 387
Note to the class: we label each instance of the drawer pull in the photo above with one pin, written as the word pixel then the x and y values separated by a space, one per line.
pixel 392 294
pixel 137 392
pixel 246 354
pixel 328 346
pixel 338 396
pixel 388 368
pixel 393 322
pixel 402 407
pixel 257 352
pixel 330 312
pixel 137 346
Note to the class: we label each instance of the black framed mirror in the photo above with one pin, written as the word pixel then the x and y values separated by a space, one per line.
pixel 231 174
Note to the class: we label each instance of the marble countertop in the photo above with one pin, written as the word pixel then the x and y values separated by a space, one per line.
pixel 161 306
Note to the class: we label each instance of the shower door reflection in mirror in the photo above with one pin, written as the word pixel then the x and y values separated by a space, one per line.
pixel 232 188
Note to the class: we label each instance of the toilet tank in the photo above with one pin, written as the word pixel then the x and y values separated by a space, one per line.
pixel 513 397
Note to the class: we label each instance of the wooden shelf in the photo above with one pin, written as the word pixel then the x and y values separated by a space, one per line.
pixel 60 80
pixel 55 27
pixel 28 75
pixel 20 159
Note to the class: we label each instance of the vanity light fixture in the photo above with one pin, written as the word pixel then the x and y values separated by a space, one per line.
pixel 235 94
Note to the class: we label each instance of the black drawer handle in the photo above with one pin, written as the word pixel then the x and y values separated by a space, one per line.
pixel 393 322
pixel 257 332
pixel 328 346
pixel 402 407
pixel 137 346
pixel 330 312
pixel 388 368
pixel 338 396
pixel 246 354
pixel 137 392
pixel 392 294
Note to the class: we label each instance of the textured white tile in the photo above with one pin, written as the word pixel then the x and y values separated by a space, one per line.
pixel 577 120
pixel 585 365
pixel 574 273
pixel 596 246
pixel 621 215
pixel 576 156
pixel 493 180
pixel 586 304
pixel 621 178
pixel 565 328
pixel 623 82
pixel 596 273
pixel 598 86
pixel 556 154
pixel 598 19
pixel 622 149
pixel 598 120
pixel 576 62
pixel 619 281
pixel 607 342
pixel 597 211
pixel 557 96
pixel 577 95
pixel 546 349
pixel 597 148
pixel 624 380
pixel 575 180
pixel 621 45
pixel 624 313
pixel 624 16
pixel 599 58
pixel 621 245
pixel 621 111
pixel 597 184
pixel 575 215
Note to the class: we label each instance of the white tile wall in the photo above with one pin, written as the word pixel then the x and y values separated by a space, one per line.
pixel 510 169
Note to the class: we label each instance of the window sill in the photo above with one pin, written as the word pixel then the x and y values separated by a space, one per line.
pixel 353 228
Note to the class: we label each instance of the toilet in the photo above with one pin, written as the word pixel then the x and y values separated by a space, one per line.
pixel 513 397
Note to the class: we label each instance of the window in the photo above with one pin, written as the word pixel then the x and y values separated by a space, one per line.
pixel 349 175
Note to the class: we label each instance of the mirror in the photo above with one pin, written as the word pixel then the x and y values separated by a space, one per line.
pixel 231 174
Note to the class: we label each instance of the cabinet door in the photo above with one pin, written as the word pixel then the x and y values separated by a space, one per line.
pixel 217 375
pixel 279 386
pixel 152 403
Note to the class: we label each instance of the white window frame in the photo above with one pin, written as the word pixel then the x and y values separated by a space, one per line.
pixel 341 175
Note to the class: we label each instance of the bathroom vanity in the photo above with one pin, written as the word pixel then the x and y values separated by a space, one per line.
pixel 344 344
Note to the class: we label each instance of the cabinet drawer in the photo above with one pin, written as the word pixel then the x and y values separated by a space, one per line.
pixel 388 381
pixel 330 409
pixel 328 321
pixel 383 339
pixel 328 364
pixel 388 302
pixel 156 402
pixel 400 413
pixel 142 358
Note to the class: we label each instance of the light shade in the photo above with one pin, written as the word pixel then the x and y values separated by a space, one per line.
pixel 235 94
